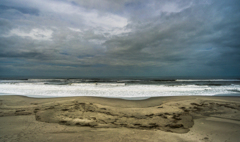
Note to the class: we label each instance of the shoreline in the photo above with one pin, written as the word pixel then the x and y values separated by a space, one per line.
pixel 178 118
pixel 124 98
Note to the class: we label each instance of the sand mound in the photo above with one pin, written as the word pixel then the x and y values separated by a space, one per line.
pixel 172 116
pixel 99 116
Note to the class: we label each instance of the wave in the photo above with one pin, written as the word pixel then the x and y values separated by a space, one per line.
pixel 46 80
pixel 193 80
pixel 130 80
pixel 160 80
pixel 213 84
pixel 234 90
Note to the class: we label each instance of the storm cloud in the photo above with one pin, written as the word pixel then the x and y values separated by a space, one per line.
pixel 77 38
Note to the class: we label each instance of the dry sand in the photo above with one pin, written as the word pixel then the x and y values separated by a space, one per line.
pixel 207 119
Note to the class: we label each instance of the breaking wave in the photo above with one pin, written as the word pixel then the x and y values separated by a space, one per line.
pixel 64 88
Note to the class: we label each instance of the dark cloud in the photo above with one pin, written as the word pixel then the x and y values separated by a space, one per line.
pixel 27 55
pixel 5 26
pixel 23 10
pixel 124 38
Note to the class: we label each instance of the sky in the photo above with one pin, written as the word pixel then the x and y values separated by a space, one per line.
pixel 110 38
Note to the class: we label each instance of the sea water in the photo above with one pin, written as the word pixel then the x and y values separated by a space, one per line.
pixel 118 88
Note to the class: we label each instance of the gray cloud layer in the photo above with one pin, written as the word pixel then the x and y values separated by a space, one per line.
pixel 119 38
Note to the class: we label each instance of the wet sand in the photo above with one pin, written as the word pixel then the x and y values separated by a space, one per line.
pixel 190 118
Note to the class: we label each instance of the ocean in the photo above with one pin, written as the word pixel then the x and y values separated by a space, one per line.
pixel 120 88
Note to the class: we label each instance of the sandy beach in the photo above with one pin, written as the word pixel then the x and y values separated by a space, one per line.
pixel 190 118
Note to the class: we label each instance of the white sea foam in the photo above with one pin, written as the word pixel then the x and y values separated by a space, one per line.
pixel 99 84
pixel 119 90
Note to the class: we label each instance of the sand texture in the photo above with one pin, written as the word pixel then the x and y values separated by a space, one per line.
pixel 102 119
